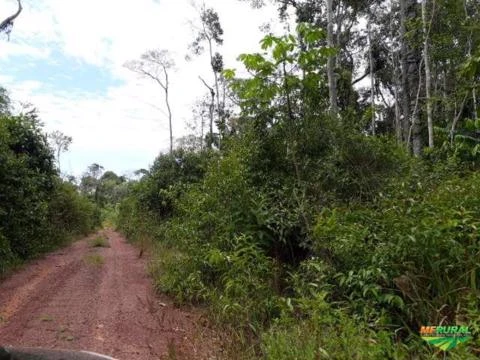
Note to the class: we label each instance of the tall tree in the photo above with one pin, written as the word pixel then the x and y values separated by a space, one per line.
pixel 211 112
pixel 332 81
pixel 90 182
pixel 405 89
pixel 414 61
pixel 201 111
pixel 372 75
pixel 340 18
pixel 5 102
pixel 426 61
pixel 210 33
pixel 469 54
pixel 155 65
pixel 61 143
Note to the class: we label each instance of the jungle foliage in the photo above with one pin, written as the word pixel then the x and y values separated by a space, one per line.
pixel 303 223
pixel 38 210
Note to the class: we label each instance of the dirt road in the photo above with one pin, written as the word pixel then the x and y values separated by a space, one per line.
pixel 96 299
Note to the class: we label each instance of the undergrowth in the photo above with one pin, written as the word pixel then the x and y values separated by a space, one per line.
pixel 308 239
pixel 373 272
pixel 100 241
pixel 94 260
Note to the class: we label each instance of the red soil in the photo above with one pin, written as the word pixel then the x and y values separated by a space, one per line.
pixel 63 301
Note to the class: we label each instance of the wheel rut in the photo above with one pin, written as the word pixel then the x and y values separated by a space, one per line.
pixel 100 300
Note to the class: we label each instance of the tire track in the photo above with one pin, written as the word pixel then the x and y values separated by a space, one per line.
pixel 63 302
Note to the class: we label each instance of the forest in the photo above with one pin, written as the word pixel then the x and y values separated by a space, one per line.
pixel 38 209
pixel 326 203
pixel 308 201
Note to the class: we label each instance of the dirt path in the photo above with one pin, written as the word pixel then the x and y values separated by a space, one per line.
pixel 96 299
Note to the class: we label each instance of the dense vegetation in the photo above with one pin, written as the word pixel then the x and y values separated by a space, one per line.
pixel 38 210
pixel 310 231
pixel 317 218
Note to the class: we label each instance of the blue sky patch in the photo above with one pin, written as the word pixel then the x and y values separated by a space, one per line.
pixel 59 73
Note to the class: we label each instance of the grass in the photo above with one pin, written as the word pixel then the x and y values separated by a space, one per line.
pixel 64 334
pixel 46 318
pixel 172 351
pixel 94 259
pixel 99 241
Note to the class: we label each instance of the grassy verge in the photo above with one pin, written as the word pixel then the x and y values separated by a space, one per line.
pixel 100 241
pixel 94 259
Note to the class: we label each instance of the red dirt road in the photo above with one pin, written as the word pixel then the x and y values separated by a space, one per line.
pixel 66 301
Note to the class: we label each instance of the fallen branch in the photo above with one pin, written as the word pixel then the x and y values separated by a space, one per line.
pixel 6 25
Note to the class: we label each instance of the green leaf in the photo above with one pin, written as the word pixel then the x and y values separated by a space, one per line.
pixel 267 42
pixel 229 74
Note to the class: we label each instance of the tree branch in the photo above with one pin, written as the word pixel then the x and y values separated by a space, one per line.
pixel 209 87
pixel 5 24
pixel 153 77
pixel 457 117
pixel 361 78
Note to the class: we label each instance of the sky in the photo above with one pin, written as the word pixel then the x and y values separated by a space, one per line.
pixel 66 57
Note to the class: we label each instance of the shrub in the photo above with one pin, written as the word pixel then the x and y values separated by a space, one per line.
pixel 27 180
pixel 99 241
pixel 38 211
pixel 70 213
pixel 329 336
pixel 410 256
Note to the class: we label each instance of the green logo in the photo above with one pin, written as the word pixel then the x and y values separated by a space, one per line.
pixel 445 337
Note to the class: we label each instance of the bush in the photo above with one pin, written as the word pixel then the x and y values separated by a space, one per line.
pixel 100 241
pixel 7 257
pixel 27 179
pixel 410 258
pixel 72 214
pixel 332 335
pixel 38 211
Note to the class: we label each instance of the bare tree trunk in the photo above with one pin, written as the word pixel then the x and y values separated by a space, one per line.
pixel 404 66
pixel 474 98
pixel 372 78
pixel 202 125
pixel 428 85
pixel 167 102
pixel 211 109
pixel 396 80
pixel 338 36
pixel 455 120
pixel 416 137
pixel 215 76
pixel 435 79
pixel 411 71
pixel 398 123
pixel 58 158
pixel 151 66
pixel 415 121
pixel 332 81
pixel 469 53
pixel 446 104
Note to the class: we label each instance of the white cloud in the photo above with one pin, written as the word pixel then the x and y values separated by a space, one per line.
pixel 8 49
pixel 107 33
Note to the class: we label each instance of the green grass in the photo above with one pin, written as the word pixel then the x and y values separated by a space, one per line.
pixel 64 334
pixel 46 318
pixel 100 241
pixel 94 259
